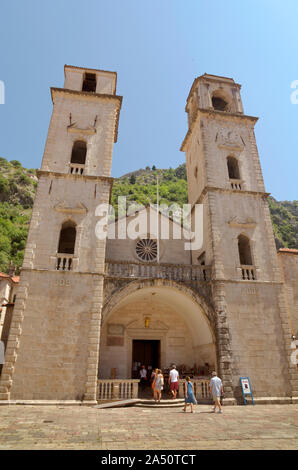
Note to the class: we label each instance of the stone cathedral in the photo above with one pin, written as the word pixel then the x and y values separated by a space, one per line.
pixel 89 309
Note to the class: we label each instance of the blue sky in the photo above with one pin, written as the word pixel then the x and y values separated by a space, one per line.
pixel 157 47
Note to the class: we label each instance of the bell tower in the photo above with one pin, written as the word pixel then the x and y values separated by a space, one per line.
pixel 53 347
pixel 224 174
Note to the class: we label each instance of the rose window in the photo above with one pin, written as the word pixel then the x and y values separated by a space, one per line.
pixel 146 249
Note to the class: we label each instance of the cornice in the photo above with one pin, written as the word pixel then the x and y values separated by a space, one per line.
pixel 39 173
pixel 92 97
pixel 207 189
pixel 211 113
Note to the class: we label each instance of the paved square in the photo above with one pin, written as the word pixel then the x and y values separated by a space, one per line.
pixel 80 427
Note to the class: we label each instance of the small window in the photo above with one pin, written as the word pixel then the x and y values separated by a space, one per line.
pixel 244 250
pixel 67 238
pixel 233 168
pixel 89 83
pixel 219 104
pixel 78 154
pixel 146 249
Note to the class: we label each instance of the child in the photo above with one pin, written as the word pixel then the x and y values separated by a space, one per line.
pixel 189 396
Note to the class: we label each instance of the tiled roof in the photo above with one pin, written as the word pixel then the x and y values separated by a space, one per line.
pixel 288 250
pixel 7 276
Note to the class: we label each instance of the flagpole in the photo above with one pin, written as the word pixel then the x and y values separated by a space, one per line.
pixel 157 206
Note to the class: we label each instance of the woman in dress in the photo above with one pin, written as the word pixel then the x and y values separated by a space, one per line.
pixel 153 377
pixel 158 385
pixel 189 396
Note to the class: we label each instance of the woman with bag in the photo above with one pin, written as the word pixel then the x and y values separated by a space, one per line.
pixel 158 385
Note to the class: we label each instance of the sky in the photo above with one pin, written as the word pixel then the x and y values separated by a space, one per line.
pixel 157 48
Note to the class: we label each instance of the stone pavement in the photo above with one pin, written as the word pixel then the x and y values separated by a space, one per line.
pixel 81 427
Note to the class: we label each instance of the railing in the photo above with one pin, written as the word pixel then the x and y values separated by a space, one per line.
pixel 117 389
pixel 64 262
pixel 235 184
pixel 124 389
pixel 200 389
pixel 157 271
pixel 76 168
pixel 248 272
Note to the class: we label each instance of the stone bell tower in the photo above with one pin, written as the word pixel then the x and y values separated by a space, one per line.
pixel 224 174
pixel 53 346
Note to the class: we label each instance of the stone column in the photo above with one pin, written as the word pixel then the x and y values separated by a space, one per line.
pixel 13 342
pixel 94 340
pixel 224 353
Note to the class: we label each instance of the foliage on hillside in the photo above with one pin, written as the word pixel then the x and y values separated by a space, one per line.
pixel 18 186
pixel 17 189
pixel 141 187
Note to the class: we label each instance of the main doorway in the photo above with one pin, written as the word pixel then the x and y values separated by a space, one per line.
pixel 145 352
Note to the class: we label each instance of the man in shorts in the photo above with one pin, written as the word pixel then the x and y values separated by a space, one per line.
pixel 174 381
pixel 216 389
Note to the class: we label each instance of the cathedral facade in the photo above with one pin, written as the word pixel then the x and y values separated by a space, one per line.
pixel 90 308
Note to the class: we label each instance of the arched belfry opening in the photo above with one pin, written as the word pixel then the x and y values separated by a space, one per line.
pixel 67 238
pixel 219 103
pixel 244 250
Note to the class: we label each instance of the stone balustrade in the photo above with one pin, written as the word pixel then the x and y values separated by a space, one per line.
pixel 117 389
pixel 64 262
pixel 76 168
pixel 248 272
pixel 236 184
pixel 124 389
pixel 157 271
pixel 200 389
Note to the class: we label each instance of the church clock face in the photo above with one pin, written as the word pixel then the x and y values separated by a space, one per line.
pixel 146 249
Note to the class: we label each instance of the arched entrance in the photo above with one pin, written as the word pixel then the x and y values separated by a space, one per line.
pixel 163 322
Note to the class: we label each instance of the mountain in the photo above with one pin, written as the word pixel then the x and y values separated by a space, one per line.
pixel 18 186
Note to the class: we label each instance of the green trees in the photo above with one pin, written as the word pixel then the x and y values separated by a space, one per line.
pixel 18 186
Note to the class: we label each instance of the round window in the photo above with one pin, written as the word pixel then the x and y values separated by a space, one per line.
pixel 146 249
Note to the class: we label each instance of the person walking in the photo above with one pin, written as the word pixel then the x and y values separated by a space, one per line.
pixel 190 399
pixel 153 378
pixel 143 377
pixel 216 388
pixel 158 385
pixel 174 381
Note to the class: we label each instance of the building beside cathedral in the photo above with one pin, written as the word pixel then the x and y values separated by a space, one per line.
pixel 89 309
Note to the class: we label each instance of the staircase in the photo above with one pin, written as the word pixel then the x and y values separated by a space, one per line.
pixel 150 403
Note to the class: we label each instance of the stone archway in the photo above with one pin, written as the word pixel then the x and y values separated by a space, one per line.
pixel 161 310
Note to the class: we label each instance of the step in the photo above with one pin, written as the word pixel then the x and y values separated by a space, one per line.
pixel 150 401
pixel 163 403
pixel 117 404
pixel 159 405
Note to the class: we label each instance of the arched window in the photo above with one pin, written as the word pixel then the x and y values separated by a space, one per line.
pixel 233 168
pixel 219 104
pixel 78 154
pixel 244 250
pixel 67 238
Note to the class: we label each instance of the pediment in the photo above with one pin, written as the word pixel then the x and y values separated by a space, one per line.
pixel 230 139
pixel 80 208
pixel 238 222
pixel 80 130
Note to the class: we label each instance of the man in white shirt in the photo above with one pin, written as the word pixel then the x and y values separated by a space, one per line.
pixel 174 381
pixel 143 376
pixel 216 389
